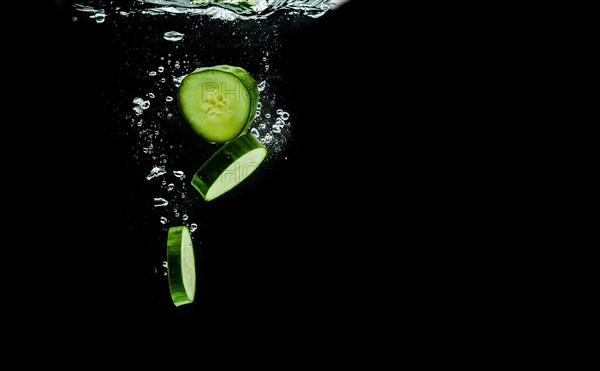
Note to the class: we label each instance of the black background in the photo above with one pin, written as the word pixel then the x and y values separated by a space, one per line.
pixel 378 194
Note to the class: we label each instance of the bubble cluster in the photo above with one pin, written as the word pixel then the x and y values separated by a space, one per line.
pixel 140 105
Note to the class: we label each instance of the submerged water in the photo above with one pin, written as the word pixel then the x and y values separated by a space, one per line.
pixel 160 42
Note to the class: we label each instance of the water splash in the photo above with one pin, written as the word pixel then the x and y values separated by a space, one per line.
pixel 228 10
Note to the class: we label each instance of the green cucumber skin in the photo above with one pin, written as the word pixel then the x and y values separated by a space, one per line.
pixel 220 160
pixel 175 273
pixel 248 82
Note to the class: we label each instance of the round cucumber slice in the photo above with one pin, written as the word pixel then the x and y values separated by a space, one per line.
pixel 181 266
pixel 218 102
pixel 229 166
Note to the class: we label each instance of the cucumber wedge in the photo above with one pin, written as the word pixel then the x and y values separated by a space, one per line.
pixel 229 166
pixel 181 265
pixel 218 102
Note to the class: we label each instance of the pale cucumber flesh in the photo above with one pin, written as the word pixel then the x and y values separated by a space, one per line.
pixel 219 102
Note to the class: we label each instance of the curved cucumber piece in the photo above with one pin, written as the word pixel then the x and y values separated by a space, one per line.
pixel 229 166
pixel 181 265
pixel 218 102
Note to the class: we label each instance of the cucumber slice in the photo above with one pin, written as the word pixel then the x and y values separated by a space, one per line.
pixel 229 166
pixel 218 102
pixel 181 266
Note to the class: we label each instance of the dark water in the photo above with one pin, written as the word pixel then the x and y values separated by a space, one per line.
pixel 305 246
pixel 265 254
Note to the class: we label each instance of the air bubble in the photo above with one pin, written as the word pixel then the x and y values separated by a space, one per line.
pixel 177 80
pixel 267 138
pixel 156 171
pixel 173 36
pixel 284 115
pixel 160 202
pixel 99 17
pixel 149 149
